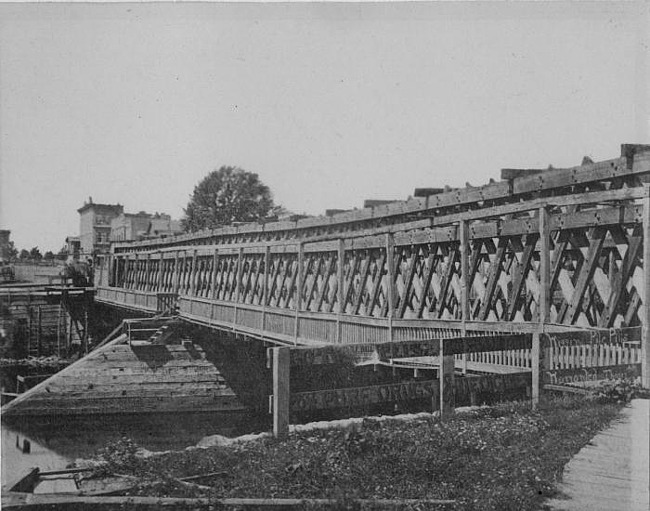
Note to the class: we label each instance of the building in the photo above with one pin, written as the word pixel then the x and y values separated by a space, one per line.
pixel 130 226
pixel 162 226
pixel 95 226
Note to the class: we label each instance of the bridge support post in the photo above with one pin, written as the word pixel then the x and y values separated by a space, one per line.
pixel 535 355
pixel 280 392
pixel 446 377
pixel 464 282
pixel 390 270
pixel 544 267
pixel 298 291
pixel 645 338
pixel 544 302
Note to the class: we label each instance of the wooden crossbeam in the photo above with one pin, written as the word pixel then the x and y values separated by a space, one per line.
pixel 254 287
pixel 633 306
pixel 314 281
pixel 429 271
pixel 349 279
pixel 392 273
pixel 376 285
pixel 446 280
pixel 293 265
pixel 495 273
pixel 597 238
pixel 284 264
pixel 619 279
pixel 521 272
pixel 477 247
pixel 363 278
pixel 274 280
pixel 404 300
pixel 246 281
pixel 325 282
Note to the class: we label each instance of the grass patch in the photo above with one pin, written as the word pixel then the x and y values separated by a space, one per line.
pixel 505 457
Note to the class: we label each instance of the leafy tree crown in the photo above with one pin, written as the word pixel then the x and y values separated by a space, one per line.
pixel 227 195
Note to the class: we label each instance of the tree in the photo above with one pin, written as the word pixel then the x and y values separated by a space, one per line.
pixel 227 195
pixel 62 254
pixel 35 254
pixel 49 256
pixel 10 252
pixel 24 254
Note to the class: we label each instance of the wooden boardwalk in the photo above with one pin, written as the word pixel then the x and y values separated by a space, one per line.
pixel 612 472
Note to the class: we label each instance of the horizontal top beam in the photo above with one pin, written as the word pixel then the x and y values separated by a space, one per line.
pixel 633 163
pixel 625 214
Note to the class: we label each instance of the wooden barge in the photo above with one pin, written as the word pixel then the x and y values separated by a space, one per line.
pixel 144 366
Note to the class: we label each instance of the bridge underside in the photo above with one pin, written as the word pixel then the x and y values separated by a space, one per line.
pixel 554 250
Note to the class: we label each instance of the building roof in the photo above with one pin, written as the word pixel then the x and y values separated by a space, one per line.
pixel 117 208
pixel 164 225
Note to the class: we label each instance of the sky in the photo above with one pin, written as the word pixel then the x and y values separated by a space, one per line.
pixel 329 104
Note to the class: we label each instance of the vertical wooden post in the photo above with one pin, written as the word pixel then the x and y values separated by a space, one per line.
pixel 110 272
pixel 118 281
pixel 544 301
pixel 446 377
pixel 159 283
pixel 147 273
pixel 544 267
pixel 265 291
pixel 38 333
pixel 299 286
pixel 536 362
pixel 175 277
pixel 238 274
pixel 645 338
pixel 215 262
pixel 280 392
pixel 464 281
pixel 85 340
pixel 70 333
pixel 340 289
pixel 127 269
pixel 136 273
pixel 192 275
pixel 390 249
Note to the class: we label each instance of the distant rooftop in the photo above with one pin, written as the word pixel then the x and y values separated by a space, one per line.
pixel 118 208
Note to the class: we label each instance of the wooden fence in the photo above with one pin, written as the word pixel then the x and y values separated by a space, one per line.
pixel 533 359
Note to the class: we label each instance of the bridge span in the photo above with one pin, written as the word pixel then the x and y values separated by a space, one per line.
pixel 551 250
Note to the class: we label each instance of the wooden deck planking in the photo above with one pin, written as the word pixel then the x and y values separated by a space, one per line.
pixel 611 473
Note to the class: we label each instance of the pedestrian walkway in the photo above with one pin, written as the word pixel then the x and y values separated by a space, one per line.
pixel 612 472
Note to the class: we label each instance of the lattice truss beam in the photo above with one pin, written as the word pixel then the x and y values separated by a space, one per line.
pixel 414 271
pixel 596 277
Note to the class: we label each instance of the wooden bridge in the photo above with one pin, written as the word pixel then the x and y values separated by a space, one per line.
pixel 556 251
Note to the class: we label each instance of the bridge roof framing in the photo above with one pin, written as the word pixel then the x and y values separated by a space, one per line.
pixel 623 214
pixel 552 182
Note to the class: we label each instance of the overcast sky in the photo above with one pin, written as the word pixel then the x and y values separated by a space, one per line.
pixel 329 104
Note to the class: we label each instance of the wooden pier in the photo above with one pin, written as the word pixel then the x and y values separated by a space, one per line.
pixel 45 320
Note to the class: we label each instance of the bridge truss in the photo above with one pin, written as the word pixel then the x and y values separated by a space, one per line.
pixel 541 250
